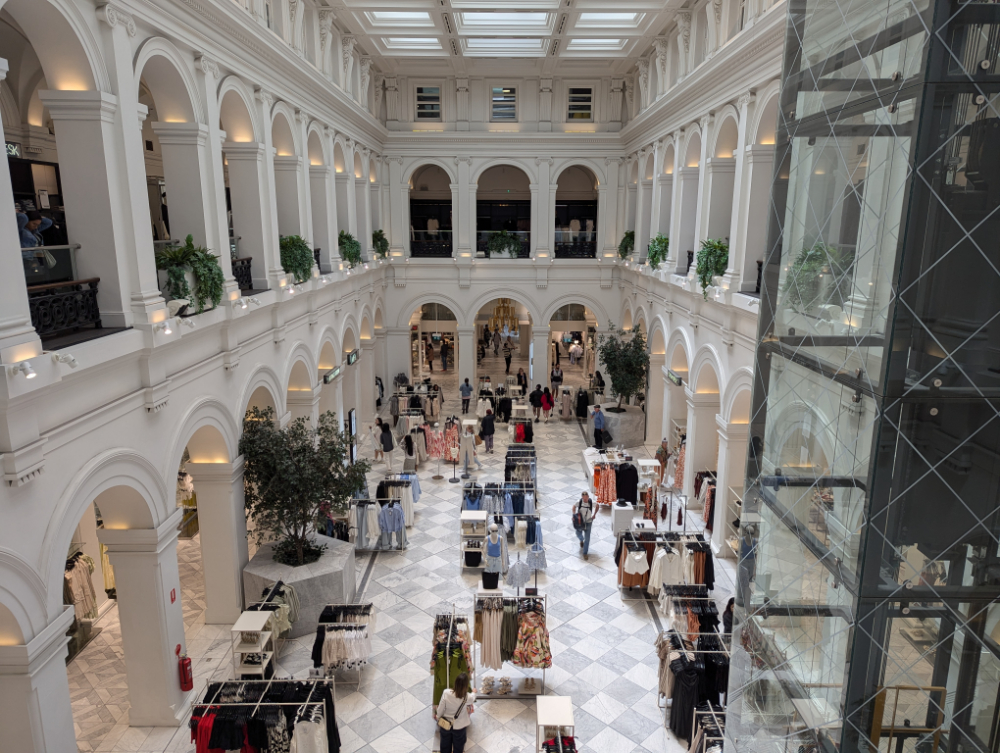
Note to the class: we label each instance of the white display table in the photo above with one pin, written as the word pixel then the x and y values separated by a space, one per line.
pixel 553 711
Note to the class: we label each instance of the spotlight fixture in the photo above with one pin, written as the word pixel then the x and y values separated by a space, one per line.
pixel 291 290
pixel 241 303
pixel 164 327
pixel 66 358
pixel 324 279
pixel 188 323
pixel 254 301
pixel 24 367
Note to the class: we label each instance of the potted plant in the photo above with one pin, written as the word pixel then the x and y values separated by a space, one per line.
pixel 380 244
pixel 296 257
pixel 713 258
pixel 656 252
pixel 291 475
pixel 627 244
pixel 625 362
pixel 350 249
pixel 502 242
pixel 192 273
pixel 803 291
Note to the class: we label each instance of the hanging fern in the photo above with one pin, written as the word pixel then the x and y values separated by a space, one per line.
pixel 350 249
pixel 627 244
pixel 380 244
pixel 656 252
pixel 208 278
pixel 713 258
pixel 176 261
pixel 296 257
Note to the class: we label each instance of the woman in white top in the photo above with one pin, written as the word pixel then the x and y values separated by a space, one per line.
pixel 467 449
pixel 376 434
pixel 455 706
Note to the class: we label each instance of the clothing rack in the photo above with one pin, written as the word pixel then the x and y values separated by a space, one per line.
pixel 451 622
pixel 535 602
pixel 359 544
pixel 713 723
pixel 331 620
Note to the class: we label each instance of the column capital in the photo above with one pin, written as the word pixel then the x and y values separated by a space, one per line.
pixel 701 400
pixel 730 431
pixel 142 540
pixel 746 98
pixel 318 171
pixel 113 14
pixel 264 97
pixel 80 105
pixel 226 473
pixel 244 150
pixel 46 645
pixel 183 134
pixel 207 65
pixel 546 160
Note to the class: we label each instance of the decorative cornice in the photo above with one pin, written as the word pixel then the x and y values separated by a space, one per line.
pixel 326 17
pixel 113 15
pixel 209 66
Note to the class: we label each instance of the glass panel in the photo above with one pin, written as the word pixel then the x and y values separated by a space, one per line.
pixel 428 103
pixel 580 103
pixel 504 103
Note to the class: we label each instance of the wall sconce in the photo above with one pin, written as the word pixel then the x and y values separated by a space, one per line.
pixel 188 323
pixel 245 302
pixel 324 279
pixel 24 367
pixel 164 327
pixel 66 358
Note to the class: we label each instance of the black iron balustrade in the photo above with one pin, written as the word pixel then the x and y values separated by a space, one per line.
pixel 440 249
pixel 242 272
pixel 576 250
pixel 760 273
pixel 62 306
pixel 316 257
pixel 690 262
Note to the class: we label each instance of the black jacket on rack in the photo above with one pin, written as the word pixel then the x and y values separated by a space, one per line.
pixel 627 482
pixel 581 404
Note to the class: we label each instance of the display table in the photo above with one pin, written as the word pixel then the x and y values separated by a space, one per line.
pixel 627 429
pixel 553 711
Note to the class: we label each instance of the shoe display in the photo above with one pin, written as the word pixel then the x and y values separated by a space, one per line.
pixel 487 687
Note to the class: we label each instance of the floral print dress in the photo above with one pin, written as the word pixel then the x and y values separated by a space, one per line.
pixel 533 642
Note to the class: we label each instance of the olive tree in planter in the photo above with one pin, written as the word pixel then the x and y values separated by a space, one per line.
pixel 296 257
pixel 503 242
pixel 292 475
pixel 713 258
pixel 656 251
pixel 192 273
pixel 350 249
pixel 627 244
pixel 625 362
pixel 380 244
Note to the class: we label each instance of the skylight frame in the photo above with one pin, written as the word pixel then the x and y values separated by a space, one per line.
pixel 602 45
pixel 506 24
pixel 412 44
pixel 601 20
pixel 505 47
pixel 380 19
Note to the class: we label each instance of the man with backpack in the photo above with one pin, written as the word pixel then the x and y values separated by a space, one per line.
pixel 583 521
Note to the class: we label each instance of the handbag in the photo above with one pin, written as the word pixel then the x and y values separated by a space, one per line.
pixel 479 439
pixel 606 437
pixel 445 723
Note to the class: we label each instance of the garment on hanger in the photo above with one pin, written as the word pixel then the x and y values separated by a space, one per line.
pixel 627 482
pixel 533 649
pixel 679 468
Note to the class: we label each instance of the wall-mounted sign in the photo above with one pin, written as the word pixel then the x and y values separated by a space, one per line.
pixel 13 150
pixel 353 356
pixel 674 377
pixel 331 374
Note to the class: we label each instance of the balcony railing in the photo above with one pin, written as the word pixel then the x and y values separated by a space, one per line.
pixel 483 238
pixel 576 249
pixel 243 273
pixel 431 245
pixel 61 306
pixel 316 257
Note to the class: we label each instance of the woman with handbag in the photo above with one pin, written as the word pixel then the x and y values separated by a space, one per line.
pixel 452 715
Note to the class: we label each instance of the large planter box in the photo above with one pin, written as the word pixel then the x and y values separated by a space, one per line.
pixel 161 279
pixel 627 429
pixel 330 580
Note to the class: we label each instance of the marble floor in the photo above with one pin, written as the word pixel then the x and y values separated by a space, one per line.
pixel 601 636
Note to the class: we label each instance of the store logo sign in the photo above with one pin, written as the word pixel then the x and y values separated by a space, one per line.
pixel 13 150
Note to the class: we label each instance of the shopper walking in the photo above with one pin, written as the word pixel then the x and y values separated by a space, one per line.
pixel 466 390
pixel 535 399
pixel 445 348
pixel 598 427
pixel 387 445
pixel 522 381
pixel 508 353
pixel 586 509
pixel 547 403
pixel 487 430
pixel 467 450
pixel 455 707
pixel 376 435
pixel 556 377
pixel 496 342
pixel 430 355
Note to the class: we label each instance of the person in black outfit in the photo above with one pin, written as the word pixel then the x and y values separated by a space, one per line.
pixel 627 483
pixel 522 381
pixel 535 398
pixel 487 430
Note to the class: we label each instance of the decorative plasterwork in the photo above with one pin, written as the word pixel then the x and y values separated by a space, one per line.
pixel 209 66
pixel 684 25
pixel 348 43
pixel 326 17
pixel 113 15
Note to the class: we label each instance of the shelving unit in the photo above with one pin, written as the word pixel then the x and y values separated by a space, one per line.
pixel 258 623
pixel 473 528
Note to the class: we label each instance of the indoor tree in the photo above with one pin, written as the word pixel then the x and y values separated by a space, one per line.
pixel 291 474
pixel 380 244
pixel 625 362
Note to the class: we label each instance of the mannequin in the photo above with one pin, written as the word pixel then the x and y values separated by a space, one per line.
pixel 491 575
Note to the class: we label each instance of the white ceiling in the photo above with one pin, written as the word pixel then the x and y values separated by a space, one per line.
pixel 512 37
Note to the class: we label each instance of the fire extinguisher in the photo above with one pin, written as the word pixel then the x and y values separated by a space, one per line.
pixel 184 668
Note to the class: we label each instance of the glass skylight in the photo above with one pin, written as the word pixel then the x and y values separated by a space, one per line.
pixel 505 19
pixel 399 18
pixel 596 45
pixel 604 20
pixel 508 4
pixel 515 47
pixel 411 43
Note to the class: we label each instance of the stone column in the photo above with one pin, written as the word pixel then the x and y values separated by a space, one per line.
pixel 152 620
pixel 701 213
pixel 655 398
pixel 35 711
pixel 643 213
pixel 17 337
pixel 675 252
pixel 248 195
pixel 399 198
pixel 346 218
pixel 223 524
pixel 188 189
pixel 363 220
pixel 666 189
pixel 540 366
pixel 304 403
pixel 466 360
pixel 366 410
pixel 732 467
pixel 543 205
pixel 738 219
pixel 751 223
pixel 687 205
pixel 700 454
pixel 286 195
pixel 608 211
pixel 667 385
pixel 264 103
pixel 720 175
pixel 656 203
pixel 399 357
pixel 464 212
pixel 324 214
pixel 380 362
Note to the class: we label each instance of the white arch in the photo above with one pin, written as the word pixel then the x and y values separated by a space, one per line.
pixel 204 412
pixel 350 324
pixel 426 162
pixel 316 129
pixel 764 98
pixel 504 162
pixel 300 353
pixel 262 376
pixel 680 336
pixel 655 325
pixel 407 309
pixel 693 131
pixel 727 113
pixel 517 296
pixel 739 381
pixel 242 92
pixel 707 356
pixel 564 165
pixel 592 303
pixel 172 102
pixel 22 593
pixel 113 468
pixel 288 114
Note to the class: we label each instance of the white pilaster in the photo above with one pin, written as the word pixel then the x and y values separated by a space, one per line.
pixel 250 205
pixel 324 216
pixel 701 435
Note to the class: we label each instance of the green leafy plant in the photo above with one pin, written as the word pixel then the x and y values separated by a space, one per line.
pixel 503 242
pixel 176 261
pixel 350 249
pixel 296 257
pixel 804 288
pixel 627 244
pixel 713 258
pixel 656 252
pixel 380 244
pixel 292 475
pixel 626 362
